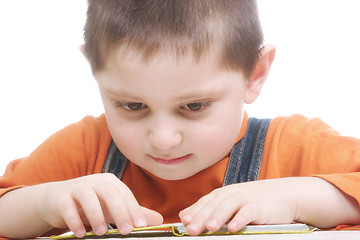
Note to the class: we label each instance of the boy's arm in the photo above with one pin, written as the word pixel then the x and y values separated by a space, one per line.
pixel 302 199
pixel 18 213
pixel 95 200
pixel 324 205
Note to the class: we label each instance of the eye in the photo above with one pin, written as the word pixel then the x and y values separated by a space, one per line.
pixel 195 106
pixel 132 106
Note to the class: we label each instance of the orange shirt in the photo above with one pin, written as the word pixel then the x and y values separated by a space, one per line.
pixel 294 146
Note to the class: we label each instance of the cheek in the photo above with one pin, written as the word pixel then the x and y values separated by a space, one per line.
pixel 128 138
pixel 126 134
pixel 216 140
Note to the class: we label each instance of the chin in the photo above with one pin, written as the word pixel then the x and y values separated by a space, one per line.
pixel 169 176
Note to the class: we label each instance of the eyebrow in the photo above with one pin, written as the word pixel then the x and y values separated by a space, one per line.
pixel 122 93
pixel 198 94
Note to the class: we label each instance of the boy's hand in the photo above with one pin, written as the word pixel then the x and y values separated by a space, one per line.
pixel 309 200
pixel 96 200
pixel 260 202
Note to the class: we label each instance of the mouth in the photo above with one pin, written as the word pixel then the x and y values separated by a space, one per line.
pixel 171 161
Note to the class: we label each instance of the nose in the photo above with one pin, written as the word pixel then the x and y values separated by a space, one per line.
pixel 165 135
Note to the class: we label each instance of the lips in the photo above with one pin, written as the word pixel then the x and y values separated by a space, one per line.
pixel 171 161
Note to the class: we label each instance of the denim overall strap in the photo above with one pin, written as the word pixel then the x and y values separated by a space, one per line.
pixel 246 155
pixel 115 161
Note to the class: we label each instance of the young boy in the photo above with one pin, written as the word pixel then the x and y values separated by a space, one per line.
pixel 175 143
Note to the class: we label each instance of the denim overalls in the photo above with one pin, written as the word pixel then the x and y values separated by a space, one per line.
pixel 245 157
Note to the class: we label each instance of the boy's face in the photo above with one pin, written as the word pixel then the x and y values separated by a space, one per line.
pixel 172 118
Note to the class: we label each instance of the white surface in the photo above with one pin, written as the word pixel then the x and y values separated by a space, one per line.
pixel 45 84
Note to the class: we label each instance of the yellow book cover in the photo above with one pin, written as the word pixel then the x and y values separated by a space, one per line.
pixel 178 229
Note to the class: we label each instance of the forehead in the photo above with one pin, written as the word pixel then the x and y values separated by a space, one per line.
pixel 174 52
pixel 128 71
pixel 127 59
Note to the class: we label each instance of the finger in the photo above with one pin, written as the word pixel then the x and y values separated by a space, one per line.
pixel 153 217
pixel 248 213
pixel 137 216
pixel 118 202
pixel 223 211
pixel 204 219
pixel 187 215
pixel 115 209
pixel 120 214
pixel 90 203
pixel 70 214
pixel 122 206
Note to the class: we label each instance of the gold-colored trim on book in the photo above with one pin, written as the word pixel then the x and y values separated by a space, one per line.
pixel 179 230
pixel 115 231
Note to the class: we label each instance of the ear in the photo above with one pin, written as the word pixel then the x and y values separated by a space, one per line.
pixel 82 50
pixel 260 73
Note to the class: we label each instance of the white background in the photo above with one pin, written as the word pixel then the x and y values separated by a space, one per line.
pixel 46 84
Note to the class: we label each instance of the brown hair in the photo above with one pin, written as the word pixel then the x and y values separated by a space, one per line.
pixel 231 27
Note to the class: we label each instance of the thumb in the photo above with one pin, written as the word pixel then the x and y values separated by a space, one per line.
pixel 152 217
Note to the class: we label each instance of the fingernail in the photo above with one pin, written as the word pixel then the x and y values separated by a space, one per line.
pixel 212 223
pixel 125 229
pixel 79 233
pixel 193 227
pixel 100 230
pixel 233 227
pixel 140 222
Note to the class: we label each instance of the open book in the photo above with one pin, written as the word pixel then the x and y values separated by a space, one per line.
pixel 178 229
